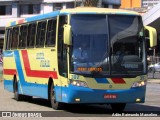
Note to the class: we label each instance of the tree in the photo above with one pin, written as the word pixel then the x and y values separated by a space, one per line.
pixel 91 3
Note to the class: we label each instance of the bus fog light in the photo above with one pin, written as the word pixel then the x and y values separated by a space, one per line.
pixel 139 84
pixel 77 99
pixel 74 83
pixel 78 83
pixel 138 100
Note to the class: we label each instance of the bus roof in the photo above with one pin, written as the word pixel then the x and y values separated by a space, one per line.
pixel 95 10
pixel 78 10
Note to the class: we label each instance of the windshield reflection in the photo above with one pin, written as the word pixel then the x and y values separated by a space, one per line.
pixel 92 51
pixel 90 42
pixel 127 44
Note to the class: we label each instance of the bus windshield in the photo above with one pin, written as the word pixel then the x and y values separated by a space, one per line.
pixel 98 42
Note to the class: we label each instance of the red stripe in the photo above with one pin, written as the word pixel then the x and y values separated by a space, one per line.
pixel 9 71
pixel 20 21
pixel 36 73
pixel 42 74
pixel 118 80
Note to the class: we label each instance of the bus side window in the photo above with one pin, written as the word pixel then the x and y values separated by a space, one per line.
pixel 15 38
pixel 41 33
pixel 31 35
pixel 8 38
pixel 51 32
pixel 23 36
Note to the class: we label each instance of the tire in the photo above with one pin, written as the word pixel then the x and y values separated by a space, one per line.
pixel 118 107
pixel 55 105
pixel 17 96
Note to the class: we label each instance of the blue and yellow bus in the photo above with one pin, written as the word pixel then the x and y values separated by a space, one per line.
pixel 43 57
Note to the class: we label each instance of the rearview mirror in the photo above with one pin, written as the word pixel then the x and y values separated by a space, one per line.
pixel 151 34
pixel 67 34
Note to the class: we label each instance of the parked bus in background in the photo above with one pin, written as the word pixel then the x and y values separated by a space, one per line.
pixel 43 57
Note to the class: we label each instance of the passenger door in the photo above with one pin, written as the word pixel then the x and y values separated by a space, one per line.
pixel 62 56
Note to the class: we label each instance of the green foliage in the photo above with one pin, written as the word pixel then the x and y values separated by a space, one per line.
pixel 90 3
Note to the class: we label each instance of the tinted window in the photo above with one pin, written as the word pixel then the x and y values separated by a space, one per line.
pixel 15 36
pixel 8 37
pixel 41 30
pixel 31 35
pixel 51 33
pixel 23 36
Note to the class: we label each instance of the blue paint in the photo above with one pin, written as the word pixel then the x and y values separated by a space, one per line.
pixel 8 85
pixel 19 67
pixel 43 16
pixel 13 23
pixel 8 54
pixel 102 80
pixel 58 92
pixel 39 17
pixel 88 95
pixel 38 90
pixel 33 89
pixel 64 13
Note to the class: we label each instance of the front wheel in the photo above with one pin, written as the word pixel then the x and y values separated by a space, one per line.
pixel 17 96
pixel 118 107
pixel 55 105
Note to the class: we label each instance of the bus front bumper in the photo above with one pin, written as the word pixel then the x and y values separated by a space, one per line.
pixel 74 94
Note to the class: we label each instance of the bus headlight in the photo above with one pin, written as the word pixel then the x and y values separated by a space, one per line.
pixel 139 84
pixel 78 83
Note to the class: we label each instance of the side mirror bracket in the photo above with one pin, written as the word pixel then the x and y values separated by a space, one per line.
pixel 67 37
pixel 152 36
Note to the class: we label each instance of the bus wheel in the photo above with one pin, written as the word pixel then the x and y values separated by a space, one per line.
pixel 55 105
pixel 17 96
pixel 118 107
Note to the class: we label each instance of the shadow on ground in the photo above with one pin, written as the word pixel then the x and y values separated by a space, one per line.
pixel 83 110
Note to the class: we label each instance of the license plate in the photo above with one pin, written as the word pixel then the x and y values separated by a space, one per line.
pixel 110 96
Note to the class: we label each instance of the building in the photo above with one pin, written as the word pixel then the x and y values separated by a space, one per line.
pixel 152 18
pixel 102 3
pixel 131 4
pixel 138 4
pixel 134 5
pixel 11 10
pixel 149 3
pixel 111 3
